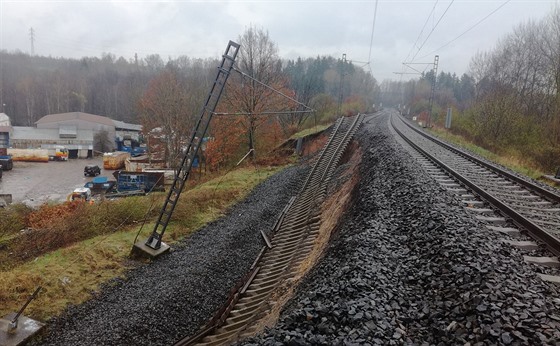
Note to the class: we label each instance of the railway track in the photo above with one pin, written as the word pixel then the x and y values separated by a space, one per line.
pixel 294 236
pixel 483 186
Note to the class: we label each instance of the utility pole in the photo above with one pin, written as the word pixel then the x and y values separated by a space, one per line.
pixel 434 78
pixel 341 82
pixel 32 39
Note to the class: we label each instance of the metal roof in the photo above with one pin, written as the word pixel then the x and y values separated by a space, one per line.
pixel 126 126
pixel 4 119
pixel 54 118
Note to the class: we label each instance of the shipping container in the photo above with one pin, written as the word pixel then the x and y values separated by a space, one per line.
pixel 115 160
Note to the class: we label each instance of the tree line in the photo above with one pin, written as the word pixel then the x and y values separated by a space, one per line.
pixel 507 102
pixel 267 98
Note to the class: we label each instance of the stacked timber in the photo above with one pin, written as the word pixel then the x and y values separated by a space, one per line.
pixel 115 160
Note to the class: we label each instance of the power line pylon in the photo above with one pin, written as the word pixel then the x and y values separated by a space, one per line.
pixel 434 78
pixel 32 40
pixel 341 84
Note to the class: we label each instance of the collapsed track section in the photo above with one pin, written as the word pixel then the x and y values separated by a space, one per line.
pixel 528 205
pixel 293 239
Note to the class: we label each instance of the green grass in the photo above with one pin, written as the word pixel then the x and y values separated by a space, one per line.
pixel 310 131
pixel 512 160
pixel 71 274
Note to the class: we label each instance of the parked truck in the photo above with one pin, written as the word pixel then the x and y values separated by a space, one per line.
pixel 56 152
pixel 5 160
pixel 59 153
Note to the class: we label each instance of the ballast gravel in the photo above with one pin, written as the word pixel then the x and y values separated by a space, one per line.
pixel 410 266
pixel 173 296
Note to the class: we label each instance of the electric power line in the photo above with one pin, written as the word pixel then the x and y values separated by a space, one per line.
pixel 421 31
pixel 466 31
pixel 435 26
pixel 372 30
pixel 271 88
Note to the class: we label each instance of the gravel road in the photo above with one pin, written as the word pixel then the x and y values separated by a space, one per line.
pixel 35 183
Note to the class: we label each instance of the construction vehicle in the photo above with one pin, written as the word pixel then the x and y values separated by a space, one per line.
pixel 80 194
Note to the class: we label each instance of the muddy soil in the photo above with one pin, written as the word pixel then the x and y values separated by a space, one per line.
pixel 35 183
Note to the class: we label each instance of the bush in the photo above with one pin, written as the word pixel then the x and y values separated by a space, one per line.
pixel 13 218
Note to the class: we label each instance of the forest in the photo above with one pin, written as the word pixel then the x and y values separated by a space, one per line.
pixel 508 102
pixel 266 100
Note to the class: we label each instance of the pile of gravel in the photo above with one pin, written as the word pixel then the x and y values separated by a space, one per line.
pixel 172 297
pixel 410 266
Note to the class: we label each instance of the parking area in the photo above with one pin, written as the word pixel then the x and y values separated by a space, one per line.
pixel 35 183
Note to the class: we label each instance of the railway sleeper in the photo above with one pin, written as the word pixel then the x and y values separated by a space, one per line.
pixel 446 180
pixel 496 220
pixel 246 315
pixel 472 202
pixel 457 191
pixel 259 289
pixel 213 340
pixel 246 298
pixel 232 327
pixel 240 309
pixel 288 242
pixel 295 234
pixel 550 278
pixel 528 245
pixel 540 203
pixel 274 265
pixel 287 245
pixel 301 241
pixel 284 237
pixel 480 210
pixel 272 269
pixel 274 274
pixel 513 232
pixel 548 223
pixel 276 260
pixel 539 209
pixel 551 262
pixel 305 219
pixel 270 278
pixel 295 219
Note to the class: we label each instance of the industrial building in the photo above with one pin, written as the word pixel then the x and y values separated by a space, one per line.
pixel 81 133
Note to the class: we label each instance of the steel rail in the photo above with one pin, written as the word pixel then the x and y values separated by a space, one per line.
pixel 294 236
pixel 549 195
pixel 552 243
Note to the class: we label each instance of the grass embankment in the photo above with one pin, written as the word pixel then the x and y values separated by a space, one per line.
pixel 70 249
pixel 310 131
pixel 511 160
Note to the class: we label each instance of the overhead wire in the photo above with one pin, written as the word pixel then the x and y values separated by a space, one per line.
pixel 434 27
pixel 371 38
pixel 466 31
pixel 421 31
pixel 271 88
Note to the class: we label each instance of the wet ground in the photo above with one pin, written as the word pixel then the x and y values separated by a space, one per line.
pixel 35 183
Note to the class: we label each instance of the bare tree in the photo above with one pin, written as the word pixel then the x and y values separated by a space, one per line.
pixel 251 93
pixel 165 108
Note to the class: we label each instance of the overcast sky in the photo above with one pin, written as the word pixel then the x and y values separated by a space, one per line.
pixel 304 28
